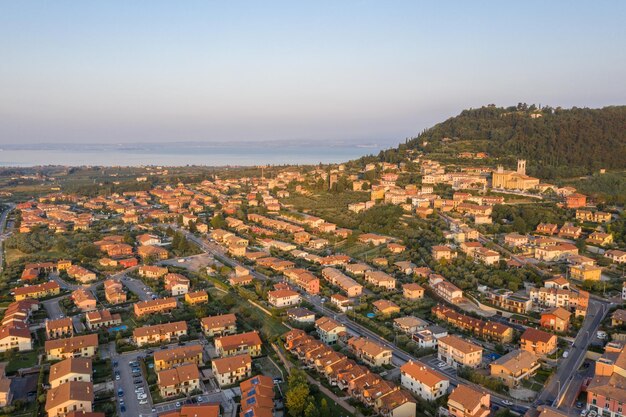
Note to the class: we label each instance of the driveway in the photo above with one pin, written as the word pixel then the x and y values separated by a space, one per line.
pixel 53 308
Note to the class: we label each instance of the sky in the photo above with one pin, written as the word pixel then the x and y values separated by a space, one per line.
pixel 372 72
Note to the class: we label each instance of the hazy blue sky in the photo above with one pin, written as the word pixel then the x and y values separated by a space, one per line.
pixel 369 71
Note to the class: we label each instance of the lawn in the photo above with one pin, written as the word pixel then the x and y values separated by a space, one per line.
pixel 22 360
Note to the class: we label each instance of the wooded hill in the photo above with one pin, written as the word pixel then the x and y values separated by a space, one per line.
pixel 556 142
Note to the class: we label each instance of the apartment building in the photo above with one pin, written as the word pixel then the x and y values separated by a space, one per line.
pixel 219 325
pixel 238 344
pixel 456 352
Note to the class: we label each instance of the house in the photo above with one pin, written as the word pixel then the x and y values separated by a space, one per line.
pixel 456 352
pixel 556 252
pixel 158 306
pixel 303 279
pixel 575 200
pixel 176 284
pixel 428 338
pixel 357 269
pixel 585 272
pixel 509 301
pixel 114 291
pixel 386 307
pixel 80 274
pixel 197 297
pixel 372 238
pixel 559 282
pixel 515 240
pixel 153 272
pixel 342 302
pixel 219 325
pixel 445 289
pixel 370 352
pixel 486 256
pixel 329 330
pixel 617 256
pixel 396 248
pixel 257 397
pixel 618 318
pixel 345 283
pixel 237 344
pixel 197 410
pixel 70 369
pixel 600 239
pixel 15 337
pixel 412 291
pixel 159 333
pixel 6 394
pixel 301 315
pixel 547 228
pixel 487 329
pixel 568 230
pixel 102 318
pixel 84 299
pixel 76 346
pixel 409 324
pixel 538 342
pixel 240 280
pixel 423 381
pixel 605 391
pixel 59 328
pixel 514 367
pixel 466 401
pixel 283 298
pixel 176 356
pixel 443 253
pixel 406 267
pixel 47 289
pixel 232 369
pixel 151 251
pixel 73 396
pixel 380 279
pixel 556 319
pixel 148 239
pixel 182 380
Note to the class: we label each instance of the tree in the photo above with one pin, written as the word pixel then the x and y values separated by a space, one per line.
pixel 297 377
pixel 218 222
pixel 311 409
pixel 324 410
pixel 297 399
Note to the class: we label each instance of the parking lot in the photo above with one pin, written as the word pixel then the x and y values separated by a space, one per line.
pixel 126 383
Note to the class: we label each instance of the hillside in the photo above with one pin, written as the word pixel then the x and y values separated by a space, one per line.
pixel 556 142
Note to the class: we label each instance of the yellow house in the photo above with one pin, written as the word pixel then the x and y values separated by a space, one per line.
pixel 515 366
pixel 232 369
pixel 197 297
pixel 219 325
pixel 458 352
pixel 68 397
pixel 386 307
pixel 159 333
pixel 237 344
pixel 370 352
pixel 70 369
pixel 585 272
pixel 180 380
pixel 72 347
pixel 46 289
pixel 169 358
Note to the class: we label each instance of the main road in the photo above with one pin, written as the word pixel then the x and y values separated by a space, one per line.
pixel 3 225
pixel 560 381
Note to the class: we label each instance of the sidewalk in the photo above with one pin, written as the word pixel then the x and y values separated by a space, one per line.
pixel 322 388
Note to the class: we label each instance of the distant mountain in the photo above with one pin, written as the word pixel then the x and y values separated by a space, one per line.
pixel 556 142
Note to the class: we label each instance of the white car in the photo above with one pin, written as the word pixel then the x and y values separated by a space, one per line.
pixel 142 396
pixel 441 365
pixel 144 401
pixel 507 402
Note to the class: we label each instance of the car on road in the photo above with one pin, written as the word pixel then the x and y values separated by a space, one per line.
pixel 507 402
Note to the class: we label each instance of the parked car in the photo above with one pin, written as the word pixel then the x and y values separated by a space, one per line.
pixel 507 402
pixel 123 408
pixel 120 392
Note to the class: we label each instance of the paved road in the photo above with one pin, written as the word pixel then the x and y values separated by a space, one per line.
pixel 3 234
pixel 559 382
pixel 53 308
